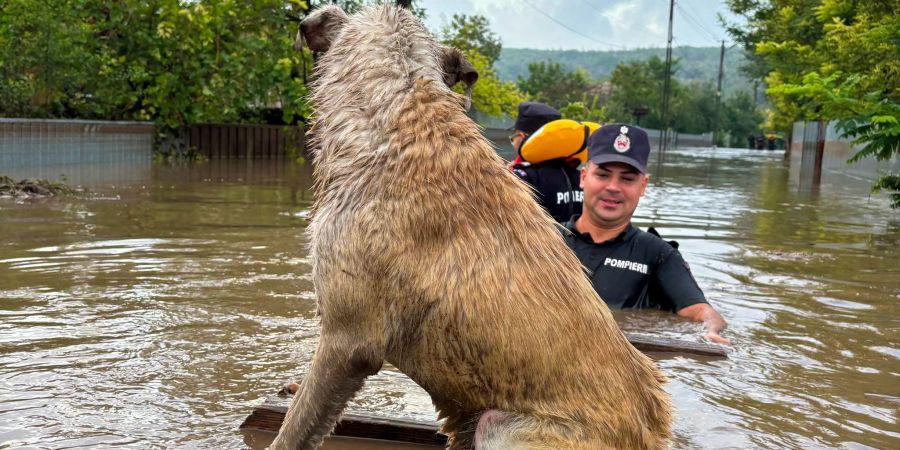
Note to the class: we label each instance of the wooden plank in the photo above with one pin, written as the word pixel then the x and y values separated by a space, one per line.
pixel 269 415
pixel 251 143
pixel 224 141
pixel 650 343
pixel 261 140
pixel 273 143
pixel 195 138
pixel 232 140
pixel 214 141
pixel 241 141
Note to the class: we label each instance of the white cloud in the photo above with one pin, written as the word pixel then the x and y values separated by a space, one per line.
pixel 597 24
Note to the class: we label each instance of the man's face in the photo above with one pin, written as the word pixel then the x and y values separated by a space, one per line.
pixel 611 192
pixel 516 139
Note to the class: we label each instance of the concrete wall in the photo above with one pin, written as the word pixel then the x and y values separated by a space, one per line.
pixel 832 162
pixel 693 140
pixel 82 152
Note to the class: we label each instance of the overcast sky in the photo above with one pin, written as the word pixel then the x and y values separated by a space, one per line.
pixel 594 24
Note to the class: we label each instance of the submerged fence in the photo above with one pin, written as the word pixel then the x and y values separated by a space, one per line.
pixel 818 151
pixel 76 150
pixel 227 141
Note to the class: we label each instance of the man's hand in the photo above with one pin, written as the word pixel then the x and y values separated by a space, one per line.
pixel 711 319
pixel 717 338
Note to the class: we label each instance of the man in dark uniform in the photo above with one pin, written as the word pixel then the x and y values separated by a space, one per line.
pixel 555 181
pixel 630 268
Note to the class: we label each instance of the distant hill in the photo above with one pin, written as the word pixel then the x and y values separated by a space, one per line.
pixel 697 63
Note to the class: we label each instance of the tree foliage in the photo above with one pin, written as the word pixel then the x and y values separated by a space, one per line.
pixel 696 63
pixel 637 85
pixel 168 61
pixel 830 60
pixel 472 33
pixel 740 118
pixel 491 95
pixel 550 83
pixel 584 111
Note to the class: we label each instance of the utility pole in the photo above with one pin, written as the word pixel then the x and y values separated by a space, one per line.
pixel 664 110
pixel 719 94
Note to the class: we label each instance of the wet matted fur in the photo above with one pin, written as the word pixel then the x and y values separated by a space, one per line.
pixel 429 254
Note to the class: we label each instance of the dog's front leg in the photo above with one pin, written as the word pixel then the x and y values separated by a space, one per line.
pixel 339 368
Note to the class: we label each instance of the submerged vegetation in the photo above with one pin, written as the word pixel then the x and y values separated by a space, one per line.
pixel 31 188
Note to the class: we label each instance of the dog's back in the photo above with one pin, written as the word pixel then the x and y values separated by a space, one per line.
pixel 506 318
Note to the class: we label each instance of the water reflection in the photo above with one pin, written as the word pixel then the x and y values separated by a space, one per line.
pixel 159 311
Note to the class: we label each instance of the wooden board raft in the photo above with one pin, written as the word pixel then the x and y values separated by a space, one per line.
pixel 268 416
pixel 650 343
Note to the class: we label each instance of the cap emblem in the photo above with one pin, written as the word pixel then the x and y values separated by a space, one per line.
pixel 623 130
pixel 622 144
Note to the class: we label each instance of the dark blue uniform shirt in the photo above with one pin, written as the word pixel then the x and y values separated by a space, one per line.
pixel 635 269
pixel 557 184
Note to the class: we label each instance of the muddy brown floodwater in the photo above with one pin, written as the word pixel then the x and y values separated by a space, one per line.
pixel 158 312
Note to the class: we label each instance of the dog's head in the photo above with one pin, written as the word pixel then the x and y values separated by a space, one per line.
pixel 322 30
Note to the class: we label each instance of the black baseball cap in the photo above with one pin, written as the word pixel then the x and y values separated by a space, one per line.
pixel 622 143
pixel 533 115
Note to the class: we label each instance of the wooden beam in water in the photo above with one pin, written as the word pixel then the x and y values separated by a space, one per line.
pixel 268 417
pixel 651 343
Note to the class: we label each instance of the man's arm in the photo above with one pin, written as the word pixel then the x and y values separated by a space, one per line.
pixel 681 290
pixel 703 312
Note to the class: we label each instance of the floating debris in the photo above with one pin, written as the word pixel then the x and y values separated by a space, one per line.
pixel 31 187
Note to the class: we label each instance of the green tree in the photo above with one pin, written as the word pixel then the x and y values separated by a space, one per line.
pixel 830 60
pixel 472 33
pixel 740 118
pixel 491 95
pixel 693 108
pixel 169 61
pixel 551 83
pixel 43 55
pixel 584 111
pixel 638 84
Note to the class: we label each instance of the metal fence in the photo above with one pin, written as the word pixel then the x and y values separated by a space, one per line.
pixel 76 150
pixel 228 141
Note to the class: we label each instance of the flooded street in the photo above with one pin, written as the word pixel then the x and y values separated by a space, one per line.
pixel 156 313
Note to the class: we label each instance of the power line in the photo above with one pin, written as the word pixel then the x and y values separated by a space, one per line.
pixel 595 8
pixel 696 15
pixel 571 29
pixel 696 22
pixel 691 7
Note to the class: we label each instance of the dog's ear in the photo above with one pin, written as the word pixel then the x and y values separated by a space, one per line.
pixel 320 28
pixel 456 67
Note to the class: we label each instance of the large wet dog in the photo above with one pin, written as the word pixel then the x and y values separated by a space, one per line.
pixel 430 255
